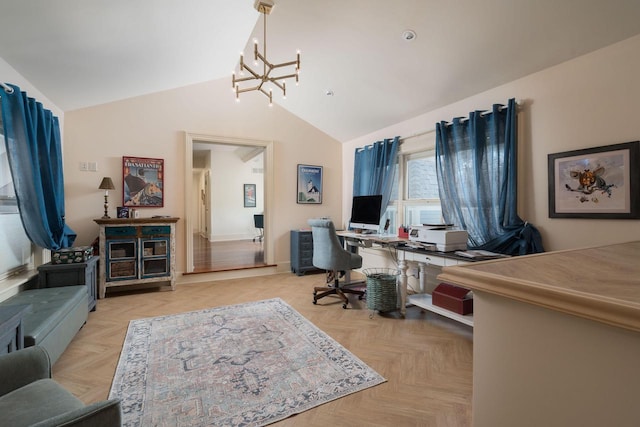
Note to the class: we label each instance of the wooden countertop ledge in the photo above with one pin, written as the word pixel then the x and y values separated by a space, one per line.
pixel 599 283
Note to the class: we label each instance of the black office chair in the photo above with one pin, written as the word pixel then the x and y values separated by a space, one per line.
pixel 258 222
pixel 328 254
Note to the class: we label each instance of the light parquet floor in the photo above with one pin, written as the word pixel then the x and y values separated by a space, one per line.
pixel 426 359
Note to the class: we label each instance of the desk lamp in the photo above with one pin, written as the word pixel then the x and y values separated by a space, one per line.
pixel 106 185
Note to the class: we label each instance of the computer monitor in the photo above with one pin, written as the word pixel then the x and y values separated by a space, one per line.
pixel 365 212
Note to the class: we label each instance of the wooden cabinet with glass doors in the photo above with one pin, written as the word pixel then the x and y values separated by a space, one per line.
pixel 136 250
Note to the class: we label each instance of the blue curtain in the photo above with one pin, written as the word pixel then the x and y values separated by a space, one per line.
pixel 476 166
pixel 374 169
pixel 32 138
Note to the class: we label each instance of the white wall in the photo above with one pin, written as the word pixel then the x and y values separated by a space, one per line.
pixel 534 366
pixel 154 126
pixel 230 219
pixel 590 101
pixel 9 75
pixel 198 225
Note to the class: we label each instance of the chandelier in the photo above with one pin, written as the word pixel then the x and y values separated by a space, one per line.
pixel 262 80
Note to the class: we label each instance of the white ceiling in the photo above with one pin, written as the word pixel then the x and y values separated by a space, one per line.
pixel 82 53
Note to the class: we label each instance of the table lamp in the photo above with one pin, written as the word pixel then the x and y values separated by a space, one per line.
pixel 106 185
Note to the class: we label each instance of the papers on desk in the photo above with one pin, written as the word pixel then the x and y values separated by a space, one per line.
pixel 438 226
pixel 419 245
pixel 367 240
pixel 480 255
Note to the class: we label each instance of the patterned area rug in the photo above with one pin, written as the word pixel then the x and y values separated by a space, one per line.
pixel 243 365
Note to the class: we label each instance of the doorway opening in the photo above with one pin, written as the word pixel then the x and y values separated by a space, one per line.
pixel 228 255
pixel 227 182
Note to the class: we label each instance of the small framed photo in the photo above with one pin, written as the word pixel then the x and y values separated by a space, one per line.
pixel 142 182
pixel 122 211
pixel 601 182
pixel 249 193
pixel 309 184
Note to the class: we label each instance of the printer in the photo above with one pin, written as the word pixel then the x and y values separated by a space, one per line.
pixel 443 237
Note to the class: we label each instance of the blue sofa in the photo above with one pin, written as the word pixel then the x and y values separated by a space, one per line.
pixel 53 317
pixel 29 397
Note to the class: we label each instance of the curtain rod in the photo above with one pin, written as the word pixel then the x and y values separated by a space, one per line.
pixel 383 139
pixel 485 112
pixel 6 87
pixel 426 132
pixel 415 135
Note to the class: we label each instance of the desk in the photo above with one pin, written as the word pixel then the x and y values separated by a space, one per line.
pixel 422 257
pixel 358 240
pixel 382 239
pixel 407 254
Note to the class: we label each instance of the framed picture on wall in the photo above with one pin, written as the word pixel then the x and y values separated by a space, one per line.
pixel 142 182
pixel 601 182
pixel 309 184
pixel 249 192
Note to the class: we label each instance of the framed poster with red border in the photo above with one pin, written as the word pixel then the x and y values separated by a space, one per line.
pixel 142 182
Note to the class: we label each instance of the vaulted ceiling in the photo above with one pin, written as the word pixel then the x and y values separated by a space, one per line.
pixel 83 53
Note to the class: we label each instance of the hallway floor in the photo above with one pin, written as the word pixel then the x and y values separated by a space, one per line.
pixel 229 255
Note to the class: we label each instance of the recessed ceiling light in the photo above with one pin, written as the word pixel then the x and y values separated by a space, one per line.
pixel 328 92
pixel 409 35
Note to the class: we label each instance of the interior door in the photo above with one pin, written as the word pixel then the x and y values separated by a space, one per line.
pixel 207 204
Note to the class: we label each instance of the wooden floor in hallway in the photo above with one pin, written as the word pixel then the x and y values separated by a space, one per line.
pixel 228 255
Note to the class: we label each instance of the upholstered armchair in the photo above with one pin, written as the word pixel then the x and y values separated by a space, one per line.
pixel 29 397
pixel 329 255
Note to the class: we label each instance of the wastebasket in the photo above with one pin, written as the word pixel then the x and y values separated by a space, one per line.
pixel 382 292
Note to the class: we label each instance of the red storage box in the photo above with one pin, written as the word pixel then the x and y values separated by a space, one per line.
pixel 453 298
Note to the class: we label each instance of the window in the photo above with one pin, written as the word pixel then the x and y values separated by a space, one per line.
pixel 19 251
pixel 416 181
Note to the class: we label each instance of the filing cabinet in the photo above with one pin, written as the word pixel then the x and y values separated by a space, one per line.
pixel 301 252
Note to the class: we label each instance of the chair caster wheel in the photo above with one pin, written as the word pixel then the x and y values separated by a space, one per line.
pixel 344 306
pixel 360 297
pixel 315 302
